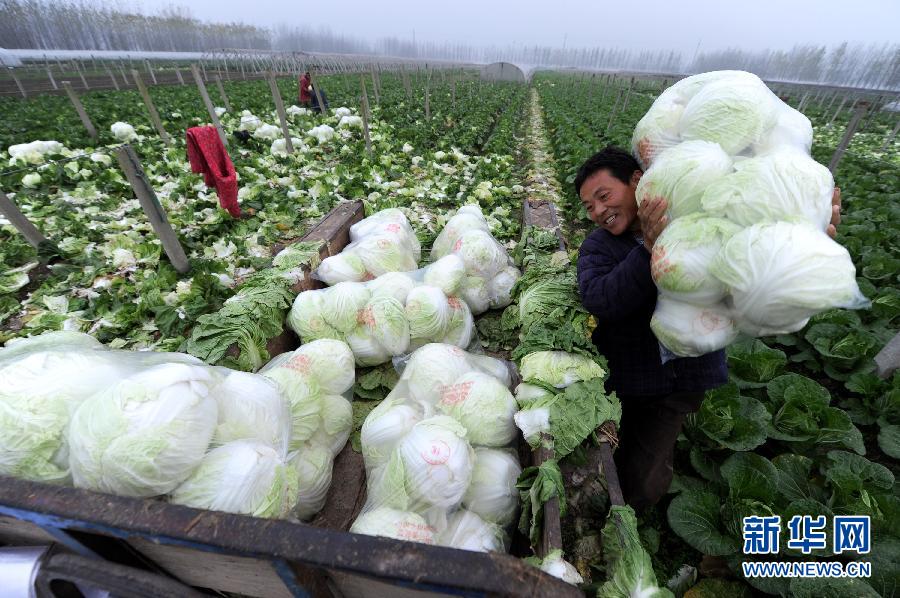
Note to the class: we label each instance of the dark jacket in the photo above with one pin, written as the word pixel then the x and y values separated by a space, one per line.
pixel 615 286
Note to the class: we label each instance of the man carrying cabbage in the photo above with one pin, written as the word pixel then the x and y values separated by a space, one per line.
pixel 616 286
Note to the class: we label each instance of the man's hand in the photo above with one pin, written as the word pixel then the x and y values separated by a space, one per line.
pixel 652 215
pixel 831 229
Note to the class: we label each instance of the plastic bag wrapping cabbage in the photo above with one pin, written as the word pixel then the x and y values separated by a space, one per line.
pixel 467 262
pixel 251 407
pixel 242 476
pixel 681 174
pixel 383 242
pixel 720 147
pixel 390 315
pixel 145 434
pixel 782 185
pixel 660 128
pixel 690 330
pixel 780 274
pixel 682 255
pixel 43 380
pixel 437 465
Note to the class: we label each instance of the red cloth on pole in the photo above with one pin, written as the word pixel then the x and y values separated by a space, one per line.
pixel 207 154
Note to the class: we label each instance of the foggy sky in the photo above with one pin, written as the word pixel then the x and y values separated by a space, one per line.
pixel 659 24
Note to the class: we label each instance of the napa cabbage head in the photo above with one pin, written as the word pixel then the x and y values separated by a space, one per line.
pixel 484 406
pixel 481 253
pixel 433 367
pixel 428 313
pixel 682 255
pixel 437 462
pixel 144 435
pixel 341 305
pixel 313 466
pixel 781 273
pixel 681 174
pixel 783 185
pixel 307 318
pixel 327 361
pixel 384 427
pixel 559 368
pixel 492 494
pixel 733 113
pixel 382 253
pixel 302 392
pixel 243 476
pixel 393 284
pixel 689 330
pixel 476 292
pixel 251 407
pixel 446 274
pixel 461 325
pixel 467 531
pixel 384 319
pixel 394 523
pixel 343 267
pixel 336 415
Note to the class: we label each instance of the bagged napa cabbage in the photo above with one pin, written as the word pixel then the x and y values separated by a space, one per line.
pixel 780 274
pixel 492 493
pixel 437 461
pixel 251 407
pixel 484 406
pixel 682 255
pixel 681 174
pixel 446 274
pixel 481 253
pixel 466 218
pixel 735 113
pixel 461 325
pixel 689 330
pixel 393 284
pixel 782 185
pixel 144 435
pixel 658 130
pixel 244 476
pixel 792 130
pixel 432 368
pixel 313 468
pixel 383 428
pixel 559 368
pixel 428 313
pixel 394 523
pixel 467 531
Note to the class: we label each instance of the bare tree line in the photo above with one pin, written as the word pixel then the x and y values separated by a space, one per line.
pixel 83 25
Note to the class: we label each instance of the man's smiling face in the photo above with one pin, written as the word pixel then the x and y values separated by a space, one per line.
pixel 610 203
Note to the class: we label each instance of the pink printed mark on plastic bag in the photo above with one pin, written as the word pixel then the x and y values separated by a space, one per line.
pixel 453 302
pixel 415 532
pixel 436 454
pixel 383 243
pixel 458 245
pixel 299 363
pixel 392 228
pixel 365 317
pixel 368 276
pixel 456 393
pixel 711 321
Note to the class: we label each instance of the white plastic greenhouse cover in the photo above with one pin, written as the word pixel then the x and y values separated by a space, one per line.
pixel 7 58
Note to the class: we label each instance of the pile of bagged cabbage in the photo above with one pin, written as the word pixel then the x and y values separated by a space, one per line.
pixel 746 249
pixel 438 451
pixel 383 306
pixel 150 424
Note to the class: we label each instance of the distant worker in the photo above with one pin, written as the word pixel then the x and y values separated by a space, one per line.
pixel 305 90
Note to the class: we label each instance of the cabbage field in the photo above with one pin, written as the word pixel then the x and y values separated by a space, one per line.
pixel 804 426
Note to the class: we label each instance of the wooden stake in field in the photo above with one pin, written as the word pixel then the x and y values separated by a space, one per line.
pixel 838 111
pixel 81 74
pixel 313 80
pixel 112 77
pixel 375 88
pixel 11 212
pixel 612 113
pixel 79 108
pixel 222 93
pixel 860 111
pixel 195 70
pixel 18 83
pixel 131 166
pixel 890 137
pixel 282 116
pixel 364 109
pixel 52 80
pixel 180 77
pixel 151 108
pixel 427 101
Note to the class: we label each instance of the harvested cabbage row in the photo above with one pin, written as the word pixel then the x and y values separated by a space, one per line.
pixel 746 249
pixel 439 465
pixel 388 316
pixel 385 243
pixel 150 424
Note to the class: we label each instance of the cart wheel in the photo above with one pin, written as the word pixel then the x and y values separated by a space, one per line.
pixel 70 576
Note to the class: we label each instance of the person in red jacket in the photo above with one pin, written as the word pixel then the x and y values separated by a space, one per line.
pixel 305 90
